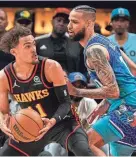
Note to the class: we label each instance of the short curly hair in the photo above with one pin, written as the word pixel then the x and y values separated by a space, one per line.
pixel 11 38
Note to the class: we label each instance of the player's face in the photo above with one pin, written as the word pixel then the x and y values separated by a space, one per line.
pixel 26 50
pixel 120 25
pixel 76 26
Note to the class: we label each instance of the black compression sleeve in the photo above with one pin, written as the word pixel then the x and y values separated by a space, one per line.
pixel 65 102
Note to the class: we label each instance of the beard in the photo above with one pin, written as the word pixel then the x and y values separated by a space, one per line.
pixel 59 33
pixel 80 35
pixel 120 31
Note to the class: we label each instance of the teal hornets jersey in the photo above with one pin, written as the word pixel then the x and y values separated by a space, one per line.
pixel 126 81
pixel 129 46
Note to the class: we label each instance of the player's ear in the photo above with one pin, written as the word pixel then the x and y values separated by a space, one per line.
pixel 90 23
pixel 87 23
pixel 13 52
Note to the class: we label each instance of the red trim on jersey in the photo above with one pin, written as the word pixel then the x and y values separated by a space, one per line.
pixel 42 69
pixel 78 125
pixel 9 80
pixel 75 114
pixel 66 143
pixel 17 148
pixel 27 80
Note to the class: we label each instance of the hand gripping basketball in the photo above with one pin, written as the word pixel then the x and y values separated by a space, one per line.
pixel 25 125
pixel 4 126
pixel 49 123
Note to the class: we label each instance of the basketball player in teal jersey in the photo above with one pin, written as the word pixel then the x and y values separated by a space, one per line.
pixel 115 82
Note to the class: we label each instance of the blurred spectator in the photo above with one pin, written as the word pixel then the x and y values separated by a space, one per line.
pixel 25 18
pixel 84 106
pixel 120 18
pixel 3 22
pixel 4 57
pixel 57 45
pixel 97 28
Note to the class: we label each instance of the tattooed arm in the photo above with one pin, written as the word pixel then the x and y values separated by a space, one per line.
pixel 97 59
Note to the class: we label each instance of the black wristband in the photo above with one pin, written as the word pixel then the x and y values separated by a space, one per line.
pixel 65 103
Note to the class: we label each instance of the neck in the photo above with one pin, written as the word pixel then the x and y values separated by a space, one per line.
pixel 23 71
pixel 84 41
pixel 54 35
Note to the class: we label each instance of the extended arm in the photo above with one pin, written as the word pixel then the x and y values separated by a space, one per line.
pixel 97 59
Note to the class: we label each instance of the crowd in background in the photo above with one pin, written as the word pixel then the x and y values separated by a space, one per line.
pixel 69 54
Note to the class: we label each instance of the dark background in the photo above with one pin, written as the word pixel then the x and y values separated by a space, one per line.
pixel 70 4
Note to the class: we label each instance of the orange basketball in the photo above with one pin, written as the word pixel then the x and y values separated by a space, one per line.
pixel 25 125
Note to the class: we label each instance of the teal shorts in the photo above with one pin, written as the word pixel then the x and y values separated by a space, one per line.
pixel 107 131
pixel 117 149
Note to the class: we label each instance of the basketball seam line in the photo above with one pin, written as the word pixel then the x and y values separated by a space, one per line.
pixel 30 118
pixel 23 128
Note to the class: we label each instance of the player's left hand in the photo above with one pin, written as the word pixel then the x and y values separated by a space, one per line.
pixel 49 123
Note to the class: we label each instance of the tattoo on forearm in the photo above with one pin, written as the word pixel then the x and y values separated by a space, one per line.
pixel 97 59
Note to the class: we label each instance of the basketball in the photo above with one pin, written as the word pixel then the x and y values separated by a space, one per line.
pixel 25 125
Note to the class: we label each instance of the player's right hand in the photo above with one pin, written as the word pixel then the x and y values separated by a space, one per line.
pixel 49 123
pixel 4 126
